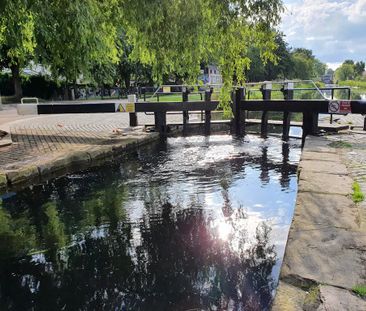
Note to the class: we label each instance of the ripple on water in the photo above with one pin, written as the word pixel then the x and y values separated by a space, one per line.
pixel 189 223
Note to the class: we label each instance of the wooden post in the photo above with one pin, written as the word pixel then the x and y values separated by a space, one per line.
pixel 133 119
pixel 160 122
pixel 144 92
pixel 266 93
pixel 239 114
pixel 288 92
pixel 310 123
pixel 185 112
pixel 207 114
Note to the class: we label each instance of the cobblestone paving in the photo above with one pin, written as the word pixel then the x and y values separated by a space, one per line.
pixel 38 136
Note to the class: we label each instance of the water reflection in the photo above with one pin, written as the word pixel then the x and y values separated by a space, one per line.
pixel 168 229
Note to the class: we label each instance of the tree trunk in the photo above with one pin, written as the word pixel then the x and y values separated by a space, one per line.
pixel 18 91
pixel 127 80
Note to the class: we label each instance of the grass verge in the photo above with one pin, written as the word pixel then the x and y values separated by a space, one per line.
pixel 357 195
pixel 360 290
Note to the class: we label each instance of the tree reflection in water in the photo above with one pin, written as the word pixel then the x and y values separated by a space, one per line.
pixel 177 262
pixel 148 235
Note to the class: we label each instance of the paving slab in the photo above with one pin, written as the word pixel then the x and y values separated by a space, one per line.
pixel 291 298
pixel 316 211
pixel 320 156
pixel 326 248
pixel 327 256
pixel 337 299
pixel 310 181
pixel 321 166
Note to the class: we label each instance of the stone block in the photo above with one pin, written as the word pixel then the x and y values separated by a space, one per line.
pixel 320 156
pixel 99 153
pixel 23 175
pixel 327 255
pixel 337 299
pixel 315 211
pixel 3 181
pixel 320 166
pixel 325 183
pixel 288 298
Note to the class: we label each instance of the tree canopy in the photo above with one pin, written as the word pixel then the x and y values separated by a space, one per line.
pixel 350 70
pixel 74 38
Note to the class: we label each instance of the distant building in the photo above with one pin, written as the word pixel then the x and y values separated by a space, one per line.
pixel 211 75
pixel 327 79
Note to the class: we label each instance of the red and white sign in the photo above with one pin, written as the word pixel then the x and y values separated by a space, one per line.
pixel 345 106
pixel 340 106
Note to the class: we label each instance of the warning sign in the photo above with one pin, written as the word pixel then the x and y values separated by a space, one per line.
pixel 125 107
pixel 340 107
pixel 345 106
pixel 333 107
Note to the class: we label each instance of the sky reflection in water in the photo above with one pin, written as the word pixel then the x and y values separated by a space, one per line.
pixel 191 223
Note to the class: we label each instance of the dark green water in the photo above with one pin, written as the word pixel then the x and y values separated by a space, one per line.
pixel 192 223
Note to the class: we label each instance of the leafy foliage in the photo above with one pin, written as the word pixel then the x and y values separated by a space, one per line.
pixel 176 36
pixel 75 36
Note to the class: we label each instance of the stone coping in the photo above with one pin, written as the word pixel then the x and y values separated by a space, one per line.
pixel 325 255
pixel 67 161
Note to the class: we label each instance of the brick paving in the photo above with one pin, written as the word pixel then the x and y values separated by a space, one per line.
pixel 35 137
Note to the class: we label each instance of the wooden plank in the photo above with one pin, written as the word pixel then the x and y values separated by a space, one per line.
pixel 76 108
pixel 320 106
pixel 177 106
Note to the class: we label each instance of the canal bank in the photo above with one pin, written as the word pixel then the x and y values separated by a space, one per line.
pixel 325 258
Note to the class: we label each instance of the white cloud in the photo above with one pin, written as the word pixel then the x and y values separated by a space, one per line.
pixel 333 29
pixel 333 66
pixel 357 12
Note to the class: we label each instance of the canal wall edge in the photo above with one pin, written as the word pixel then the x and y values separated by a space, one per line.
pixel 67 161
pixel 325 255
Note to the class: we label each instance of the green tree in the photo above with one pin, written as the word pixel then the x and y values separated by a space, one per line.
pixel 17 38
pixel 280 69
pixel 176 36
pixel 345 72
pixel 306 66
pixel 359 68
pixel 76 37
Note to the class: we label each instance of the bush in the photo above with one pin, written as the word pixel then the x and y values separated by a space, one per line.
pixel 6 85
pixel 33 86
pixel 41 87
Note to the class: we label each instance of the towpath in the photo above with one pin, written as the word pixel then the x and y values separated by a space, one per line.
pixel 325 257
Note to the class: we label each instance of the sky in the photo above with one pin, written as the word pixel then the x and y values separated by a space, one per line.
pixel 334 29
